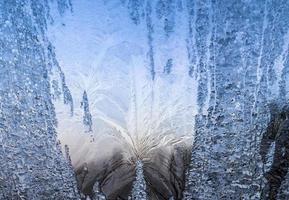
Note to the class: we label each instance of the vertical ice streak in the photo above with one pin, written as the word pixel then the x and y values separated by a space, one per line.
pixel 87 118
pixel 280 68
pixel 192 46
pixel 259 69
pixel 135 10
pixel 139 185
pixel 150 31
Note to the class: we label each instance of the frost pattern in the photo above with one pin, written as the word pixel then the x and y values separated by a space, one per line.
pixel 199 69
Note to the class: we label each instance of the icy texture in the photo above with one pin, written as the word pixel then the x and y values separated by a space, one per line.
pixel 139 185
pixel 31 161
pixel 157 73
pixel 238 52
pixel 59 89
pixel 97 194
